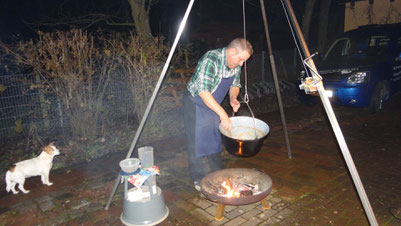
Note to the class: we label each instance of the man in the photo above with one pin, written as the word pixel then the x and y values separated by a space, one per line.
pixel 217 72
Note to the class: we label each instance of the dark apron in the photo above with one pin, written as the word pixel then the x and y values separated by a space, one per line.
pixel 207 135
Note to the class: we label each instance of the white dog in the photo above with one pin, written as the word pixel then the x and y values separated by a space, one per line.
pixel 38 166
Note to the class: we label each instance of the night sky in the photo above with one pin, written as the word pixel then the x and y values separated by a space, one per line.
pixel 218 20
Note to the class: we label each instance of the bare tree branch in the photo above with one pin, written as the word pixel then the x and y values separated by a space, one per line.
pixel 85 20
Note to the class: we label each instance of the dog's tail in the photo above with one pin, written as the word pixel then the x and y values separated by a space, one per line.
pixel 8 179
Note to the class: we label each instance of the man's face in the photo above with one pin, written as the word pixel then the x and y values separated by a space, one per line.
pixel 234 60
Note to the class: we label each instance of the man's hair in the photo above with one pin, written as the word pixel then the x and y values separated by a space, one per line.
pixel 240 44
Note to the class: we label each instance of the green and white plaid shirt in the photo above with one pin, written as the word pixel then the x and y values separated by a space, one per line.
pixel 209 72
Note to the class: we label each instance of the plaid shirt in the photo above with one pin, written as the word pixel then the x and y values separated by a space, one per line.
pixel 210 70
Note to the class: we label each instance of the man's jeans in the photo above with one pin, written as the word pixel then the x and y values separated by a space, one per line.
pixel 196 167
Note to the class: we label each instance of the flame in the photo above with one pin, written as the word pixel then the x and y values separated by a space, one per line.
pixel 239 148
pixel 230 192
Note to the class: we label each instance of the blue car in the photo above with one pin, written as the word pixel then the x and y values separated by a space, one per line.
pixel 362 68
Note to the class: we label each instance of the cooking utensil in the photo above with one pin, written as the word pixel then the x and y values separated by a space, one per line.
pixel 245 137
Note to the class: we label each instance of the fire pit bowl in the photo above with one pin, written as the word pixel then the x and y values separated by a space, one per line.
pixel 211 185
pixel 245 137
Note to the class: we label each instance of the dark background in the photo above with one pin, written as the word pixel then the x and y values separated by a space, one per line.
pixel 213 22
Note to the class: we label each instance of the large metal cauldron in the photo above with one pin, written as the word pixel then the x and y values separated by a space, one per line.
pixel 246 136
pixel 209 183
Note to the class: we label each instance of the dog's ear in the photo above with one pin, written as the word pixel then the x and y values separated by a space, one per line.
pixel 12 168
pixel 47 149
pixel 51 143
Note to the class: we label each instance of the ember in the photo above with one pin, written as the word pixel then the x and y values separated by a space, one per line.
pixel 237 189
pixel 236 186
pixel 242 186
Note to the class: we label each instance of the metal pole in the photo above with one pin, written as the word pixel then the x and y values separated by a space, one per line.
pixel 274 71
pixel 263 66
pixel 332 118
pixel 154 95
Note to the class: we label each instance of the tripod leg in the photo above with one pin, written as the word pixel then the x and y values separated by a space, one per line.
pixel 113 191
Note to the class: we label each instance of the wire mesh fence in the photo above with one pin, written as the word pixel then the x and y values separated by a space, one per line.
pixel 26 110
pixel 17 102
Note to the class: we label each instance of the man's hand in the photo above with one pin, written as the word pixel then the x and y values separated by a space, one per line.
pixel 225 122
pixel 235 104
pixel 211 103
pixel 234 91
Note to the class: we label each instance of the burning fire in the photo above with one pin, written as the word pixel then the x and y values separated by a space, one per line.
pixel 229 191
pixel 239 148
pixel 232 189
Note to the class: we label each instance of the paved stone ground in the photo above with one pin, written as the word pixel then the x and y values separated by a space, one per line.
pixel 312 188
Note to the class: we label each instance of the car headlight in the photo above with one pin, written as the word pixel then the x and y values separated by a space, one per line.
pixel 358 77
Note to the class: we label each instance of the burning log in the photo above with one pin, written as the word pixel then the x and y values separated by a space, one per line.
pixel 245 193
pixel 233 188
pixel 236 186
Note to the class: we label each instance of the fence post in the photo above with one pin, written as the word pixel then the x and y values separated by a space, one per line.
pixel 45 109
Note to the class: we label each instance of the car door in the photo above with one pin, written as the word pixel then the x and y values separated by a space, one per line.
pixel 396 72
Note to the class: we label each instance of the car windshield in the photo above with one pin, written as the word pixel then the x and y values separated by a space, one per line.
pixel 361 48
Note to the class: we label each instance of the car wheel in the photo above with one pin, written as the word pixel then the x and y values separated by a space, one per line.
pixel 376 103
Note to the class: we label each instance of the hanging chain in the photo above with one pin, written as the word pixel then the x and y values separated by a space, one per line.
pixel 246 97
